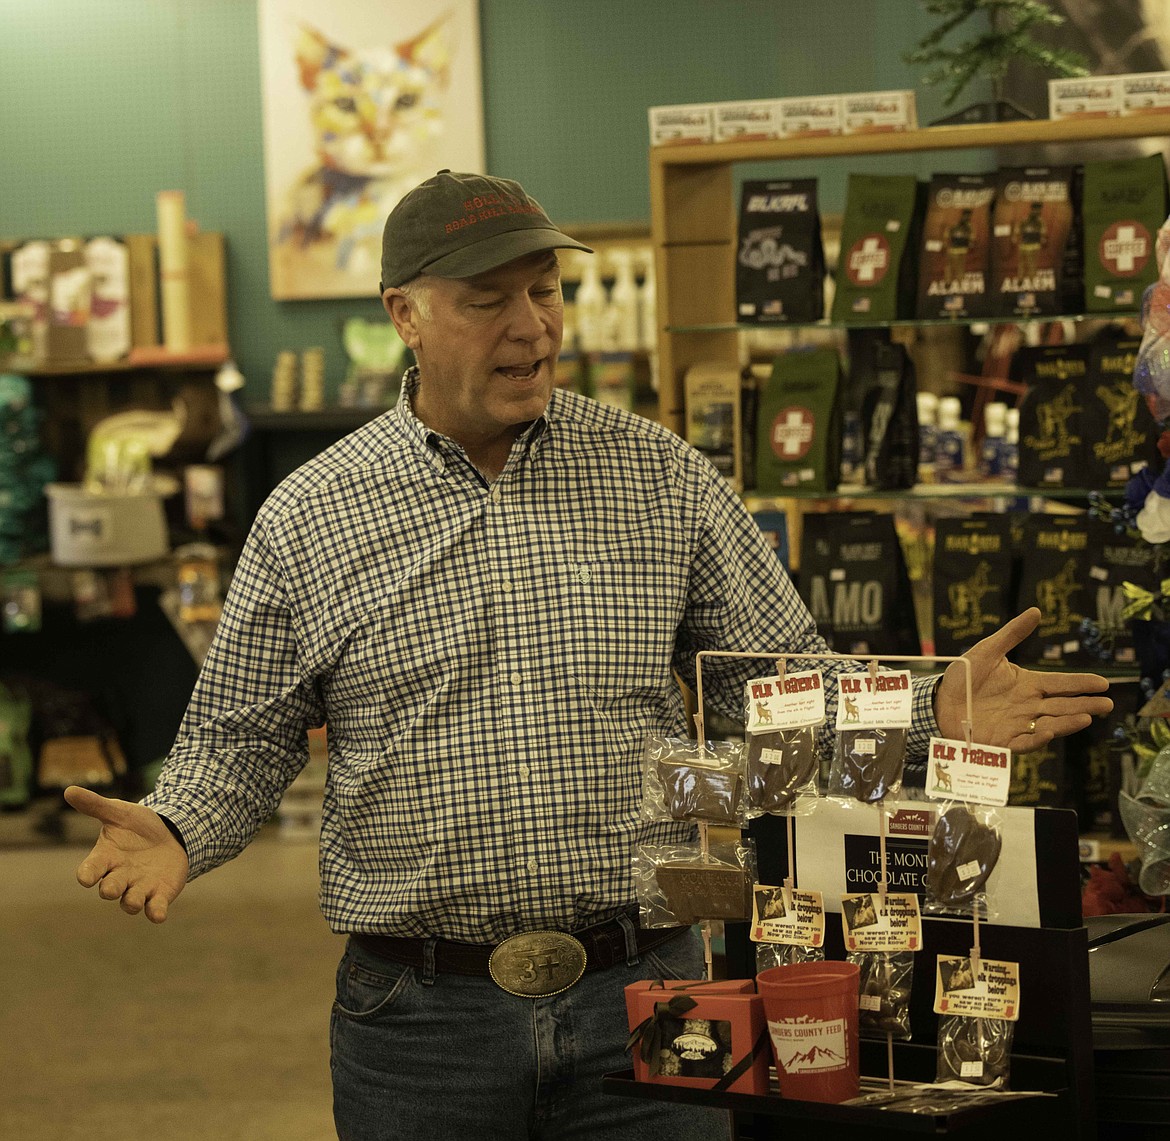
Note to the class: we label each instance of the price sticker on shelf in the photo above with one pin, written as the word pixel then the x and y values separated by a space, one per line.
pixel 981 774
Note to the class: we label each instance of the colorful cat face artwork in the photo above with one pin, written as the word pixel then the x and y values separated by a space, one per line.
pixel 375 116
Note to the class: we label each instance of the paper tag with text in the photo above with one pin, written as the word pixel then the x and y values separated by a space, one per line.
pixel 875 701
pixel 774 704
pixel 981 774
pixel 991 992
pixel 785 915
pixel 871 925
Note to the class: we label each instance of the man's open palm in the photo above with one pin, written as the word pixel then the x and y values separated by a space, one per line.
pixel 136 859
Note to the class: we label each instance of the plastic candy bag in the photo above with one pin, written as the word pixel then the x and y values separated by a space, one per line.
pixel 680 781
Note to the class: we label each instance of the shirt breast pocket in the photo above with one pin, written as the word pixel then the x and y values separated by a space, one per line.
pixel 623 617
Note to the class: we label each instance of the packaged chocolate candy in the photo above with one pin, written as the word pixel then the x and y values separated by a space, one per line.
pixel 1055 561
pixel 1123 204
pixel 961 854
pixel 868 764
pixel 782 954
pixel 884 992
pixel 879 249
pixel 853 579
pixel 680 884
pixel 780 264
pixel 1052 414
pixel 681 781
pixel 798 432
pixel 782 765
pixel 955 259
pixel 972 579
pixel 1118 434
pixel 1032 233
pixel 975 1050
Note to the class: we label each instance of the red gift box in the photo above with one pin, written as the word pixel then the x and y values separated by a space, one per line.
pixel 696 1031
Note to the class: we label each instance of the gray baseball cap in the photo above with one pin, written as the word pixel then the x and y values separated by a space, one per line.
pixel 458 225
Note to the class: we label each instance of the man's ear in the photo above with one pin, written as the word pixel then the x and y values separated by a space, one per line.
pixel 404 316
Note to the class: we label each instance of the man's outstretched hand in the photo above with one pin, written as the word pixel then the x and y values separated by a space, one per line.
pixel 136 859
pixel 1015 708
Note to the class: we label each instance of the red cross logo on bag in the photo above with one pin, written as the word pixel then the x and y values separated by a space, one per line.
pixel 792 433
pixel 1125 248
pixel 868 260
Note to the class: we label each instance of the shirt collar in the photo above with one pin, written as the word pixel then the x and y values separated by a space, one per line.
pixel 430 440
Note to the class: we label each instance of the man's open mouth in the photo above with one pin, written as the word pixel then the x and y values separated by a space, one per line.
pixel 521 371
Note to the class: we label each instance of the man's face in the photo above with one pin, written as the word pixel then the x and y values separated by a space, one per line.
pixel 487 348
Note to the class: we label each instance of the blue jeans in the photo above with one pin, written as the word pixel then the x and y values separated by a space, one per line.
pixel 441 1059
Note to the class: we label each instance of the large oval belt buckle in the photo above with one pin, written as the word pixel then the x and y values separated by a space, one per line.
pixel 536 964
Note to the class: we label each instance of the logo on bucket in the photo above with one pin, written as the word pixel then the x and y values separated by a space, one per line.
pixel 810 1047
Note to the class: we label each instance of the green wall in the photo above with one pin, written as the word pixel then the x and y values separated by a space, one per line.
pixel 106 102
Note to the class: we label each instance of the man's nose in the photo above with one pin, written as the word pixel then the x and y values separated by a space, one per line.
pixel 526 320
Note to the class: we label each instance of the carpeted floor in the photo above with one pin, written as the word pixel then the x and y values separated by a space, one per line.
pixel 211 1026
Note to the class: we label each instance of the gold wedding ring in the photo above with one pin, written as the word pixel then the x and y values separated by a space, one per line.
pixel 1032 726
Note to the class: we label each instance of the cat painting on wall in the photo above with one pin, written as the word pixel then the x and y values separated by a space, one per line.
pixel 375 121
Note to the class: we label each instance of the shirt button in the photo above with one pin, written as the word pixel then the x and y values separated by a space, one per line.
pixel 532 866
pixel 516 678
pixel 506 586
pixel 524 770
pixel 496 495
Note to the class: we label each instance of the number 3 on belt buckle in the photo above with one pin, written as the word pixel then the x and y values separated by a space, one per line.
pixel 536 964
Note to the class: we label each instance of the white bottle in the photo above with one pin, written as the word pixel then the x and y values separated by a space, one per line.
pixel 1011 445
pixel 623 303
pixel 991 454
pixel 591 303
pixel 950 459
pixel 927 435
pixel 648 309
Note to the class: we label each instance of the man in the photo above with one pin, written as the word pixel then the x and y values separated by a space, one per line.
pixel 484 593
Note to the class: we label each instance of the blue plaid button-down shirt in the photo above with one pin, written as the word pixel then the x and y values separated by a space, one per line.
pixel 487 659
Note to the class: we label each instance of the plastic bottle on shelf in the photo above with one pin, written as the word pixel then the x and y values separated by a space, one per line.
pixel 623 302
pixel 950 458
pixel 648 308
pixel 927 435
pixel 591 304
pixel 1011 445
pixel 991 454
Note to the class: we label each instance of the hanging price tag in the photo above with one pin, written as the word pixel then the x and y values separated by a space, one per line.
pixel 875 700
pixel 785 915
pixel 788 703
pixel 871 925
pixel 992 991
pixel 980 774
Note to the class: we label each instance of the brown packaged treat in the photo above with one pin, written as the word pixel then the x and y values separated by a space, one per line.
pixel 698 890
pixel 697 792
pixel 884 991
pixel 974 1050
pixel 869 763
pixel 962 853
pixel 779 764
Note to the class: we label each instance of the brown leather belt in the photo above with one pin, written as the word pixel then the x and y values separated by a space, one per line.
pixel 604 945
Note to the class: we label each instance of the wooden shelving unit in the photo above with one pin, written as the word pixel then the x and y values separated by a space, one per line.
pixel 693 215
